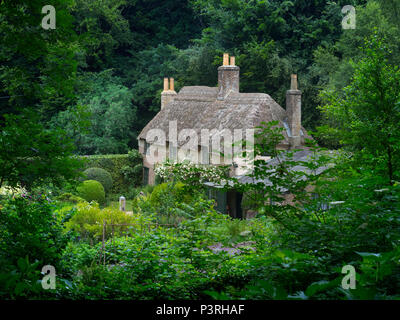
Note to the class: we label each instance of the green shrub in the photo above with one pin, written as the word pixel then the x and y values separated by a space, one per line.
pixel 165 200
pixel 92 190
pixel 133 172
pixel 28 227
pixel 69 197
pixel 163 190
pixel 169 203
pixel 158 194
pixel 22 281
pixel 117 165
pixel 249 200
pixel 89 218
pixel 77 255
pixel 100 175
pixel 147 189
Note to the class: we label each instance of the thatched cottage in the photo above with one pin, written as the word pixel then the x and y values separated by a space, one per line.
pixel 219 109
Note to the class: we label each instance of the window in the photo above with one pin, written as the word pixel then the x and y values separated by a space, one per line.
pixel 146 176
pixel 205 156
pixel 146 147
pixel 172 152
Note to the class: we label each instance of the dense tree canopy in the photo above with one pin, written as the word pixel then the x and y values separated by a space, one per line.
pixel 105 51
pixel 38 67
pixel 366 114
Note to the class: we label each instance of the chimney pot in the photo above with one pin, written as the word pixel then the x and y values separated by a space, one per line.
pixel 226 59
pixel 293 83
pixel 232 61
pixel 168 95
pixel 166 85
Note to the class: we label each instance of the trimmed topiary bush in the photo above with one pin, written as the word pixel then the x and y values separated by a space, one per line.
pixel 100 175
pixel 92 190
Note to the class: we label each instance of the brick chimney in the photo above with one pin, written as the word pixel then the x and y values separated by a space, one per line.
pixel 293 111
pixel 228 77
pixel 168 95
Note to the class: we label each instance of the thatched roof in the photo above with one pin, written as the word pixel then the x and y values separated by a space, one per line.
pixel 197 108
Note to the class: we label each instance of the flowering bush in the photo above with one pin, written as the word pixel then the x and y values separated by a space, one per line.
pixel 8 191
pixel 190 173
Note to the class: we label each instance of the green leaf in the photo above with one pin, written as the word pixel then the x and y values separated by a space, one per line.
pixel 320 286
pixel 23 263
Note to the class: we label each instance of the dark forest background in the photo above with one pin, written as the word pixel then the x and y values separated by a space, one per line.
pixel 98 76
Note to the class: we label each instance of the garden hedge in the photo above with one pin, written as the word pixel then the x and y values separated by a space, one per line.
pixel 114 163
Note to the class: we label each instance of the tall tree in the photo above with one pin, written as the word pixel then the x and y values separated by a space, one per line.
pixel 295 28
pixel 37 80
pixel 102 121
pixel 37 66
pixel 103 29
pixel 366 114
pixel 332 64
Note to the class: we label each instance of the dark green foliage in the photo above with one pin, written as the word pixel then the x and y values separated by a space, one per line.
pixel 70 198
pixel 91 190
pixel 333 64
pixel 31 236
pixel 104 31
pixel 37 80
pixel 100 175
pixel 121 167
pixel 31 155
pixel 169 22
pixel 21 281
pixel 273 39
pixel 133 173
pixel 365 115
pixel 76 256
pixel 28 227
pixel 103 120
pixel 168 201
pixel 98 76
pixel 366 221
pixel 38 67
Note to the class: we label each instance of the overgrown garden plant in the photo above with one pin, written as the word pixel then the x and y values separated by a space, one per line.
pixel 366 114
pixel 279 175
